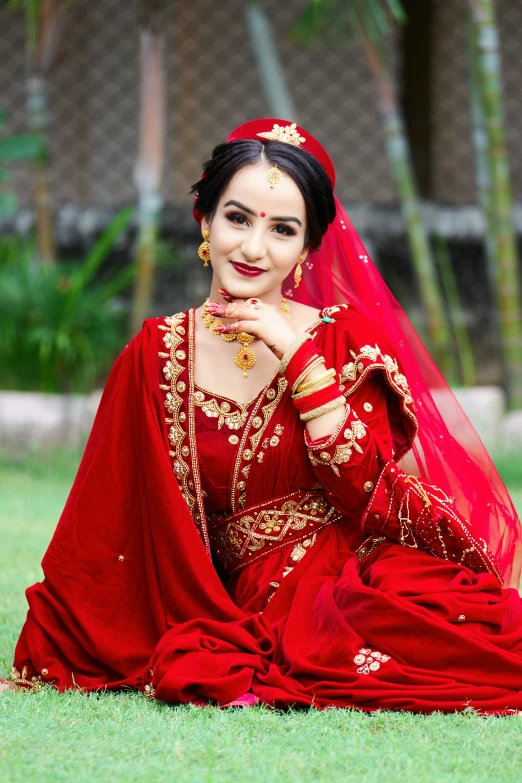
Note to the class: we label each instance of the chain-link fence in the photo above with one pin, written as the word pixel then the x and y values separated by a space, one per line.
pixel 213 84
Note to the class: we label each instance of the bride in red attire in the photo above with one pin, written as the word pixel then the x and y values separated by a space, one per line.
pixel 242 527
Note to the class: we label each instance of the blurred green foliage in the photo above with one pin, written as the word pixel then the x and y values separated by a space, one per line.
pixel 14 147
pixel 60 327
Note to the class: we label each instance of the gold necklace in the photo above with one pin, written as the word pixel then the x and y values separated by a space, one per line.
pixel 245 358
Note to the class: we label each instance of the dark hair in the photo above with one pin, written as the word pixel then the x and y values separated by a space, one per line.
pixel 307 173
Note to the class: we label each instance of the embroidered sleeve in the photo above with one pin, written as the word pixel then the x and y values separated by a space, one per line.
pixel 416 514
pixel 348 462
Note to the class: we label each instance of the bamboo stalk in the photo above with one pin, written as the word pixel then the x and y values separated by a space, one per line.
pixel 460 330
pixel 149 165
pixel 422 257
pixel 269 66
pixel 507 276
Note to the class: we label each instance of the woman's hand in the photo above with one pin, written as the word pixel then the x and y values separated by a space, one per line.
pixel 266 322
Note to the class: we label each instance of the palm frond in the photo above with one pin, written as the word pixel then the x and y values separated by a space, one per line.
pixel 329 21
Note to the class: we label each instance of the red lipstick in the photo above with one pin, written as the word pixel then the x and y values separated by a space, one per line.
pixel 247 271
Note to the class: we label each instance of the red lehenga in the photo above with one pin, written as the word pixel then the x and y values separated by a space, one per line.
pixel 208 549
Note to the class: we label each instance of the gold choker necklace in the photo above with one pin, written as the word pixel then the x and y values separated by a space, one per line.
pixel 245 358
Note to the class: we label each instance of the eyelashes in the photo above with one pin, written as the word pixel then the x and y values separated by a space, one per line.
pixel 239 219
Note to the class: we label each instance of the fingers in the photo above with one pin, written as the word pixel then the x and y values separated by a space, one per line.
pixel 236 327
pixel 225 294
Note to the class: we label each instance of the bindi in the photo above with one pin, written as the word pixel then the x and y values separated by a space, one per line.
pixel 263 214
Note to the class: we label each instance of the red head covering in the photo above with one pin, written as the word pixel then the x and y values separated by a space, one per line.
pixel 448 452
pixel 273 129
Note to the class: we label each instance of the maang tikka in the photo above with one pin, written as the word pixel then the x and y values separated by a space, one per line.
pixel 204 248
pixel 274 176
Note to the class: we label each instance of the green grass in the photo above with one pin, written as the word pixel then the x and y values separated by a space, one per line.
pixel 61 738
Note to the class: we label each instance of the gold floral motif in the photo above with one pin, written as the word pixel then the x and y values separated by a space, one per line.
pixel 371 358
pixel 234 420
pixel 288 134
pixel 149 691
pixel 369 661
pixel 343 452
pixel 35 684
pixel 173 402
pixel 243 538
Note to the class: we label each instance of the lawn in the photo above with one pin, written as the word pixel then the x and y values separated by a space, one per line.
pixel 61 738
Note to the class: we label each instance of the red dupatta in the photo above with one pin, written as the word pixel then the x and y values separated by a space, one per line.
pixel 126 564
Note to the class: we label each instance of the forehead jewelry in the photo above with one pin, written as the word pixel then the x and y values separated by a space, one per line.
pixel 274 176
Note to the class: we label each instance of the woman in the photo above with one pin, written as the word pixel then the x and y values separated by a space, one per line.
pixel 240 528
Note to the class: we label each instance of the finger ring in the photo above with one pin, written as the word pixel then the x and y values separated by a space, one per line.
pixel 254 303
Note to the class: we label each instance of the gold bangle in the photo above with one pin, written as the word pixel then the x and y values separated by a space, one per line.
pixel 314 363
pixel 321 385
pixel 312 381
pixel 326 408
pixel 293 348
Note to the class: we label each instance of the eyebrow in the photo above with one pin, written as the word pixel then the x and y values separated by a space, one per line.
pixel 283 219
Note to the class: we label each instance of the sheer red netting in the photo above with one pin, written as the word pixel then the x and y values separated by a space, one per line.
pixel 447 451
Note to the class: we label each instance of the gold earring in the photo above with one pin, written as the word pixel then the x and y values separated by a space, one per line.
pixel 298 271
pixel 204 248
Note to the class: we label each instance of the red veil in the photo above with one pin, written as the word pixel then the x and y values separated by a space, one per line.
pixel 447 450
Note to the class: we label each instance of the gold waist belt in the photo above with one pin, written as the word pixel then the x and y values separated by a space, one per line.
pixel 255 532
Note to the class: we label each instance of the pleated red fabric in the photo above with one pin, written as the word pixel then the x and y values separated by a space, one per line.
pixel 335 608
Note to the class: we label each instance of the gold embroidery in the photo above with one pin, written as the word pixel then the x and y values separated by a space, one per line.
pixel 368 486
pixel 247 454
pixel 173 402
pixel 296 555
pixel 234 420
pixel 199 514
pixel 343 452
pixel 186 475
pixel 149 692
pixel 369 661
pixel 369 545
pixel 357 370
pixel 35 684
pixel 292 518
pixel 267 410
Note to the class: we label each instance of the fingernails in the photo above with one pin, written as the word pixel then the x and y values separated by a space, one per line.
pixel 220 328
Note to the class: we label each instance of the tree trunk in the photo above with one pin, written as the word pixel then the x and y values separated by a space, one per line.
pixel 439 336
pixel 149 165
pixel 38 121
pixel 507 273
pixel 271 71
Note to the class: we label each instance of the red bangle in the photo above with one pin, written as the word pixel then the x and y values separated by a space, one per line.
pixel 304 356
pixel 318 398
